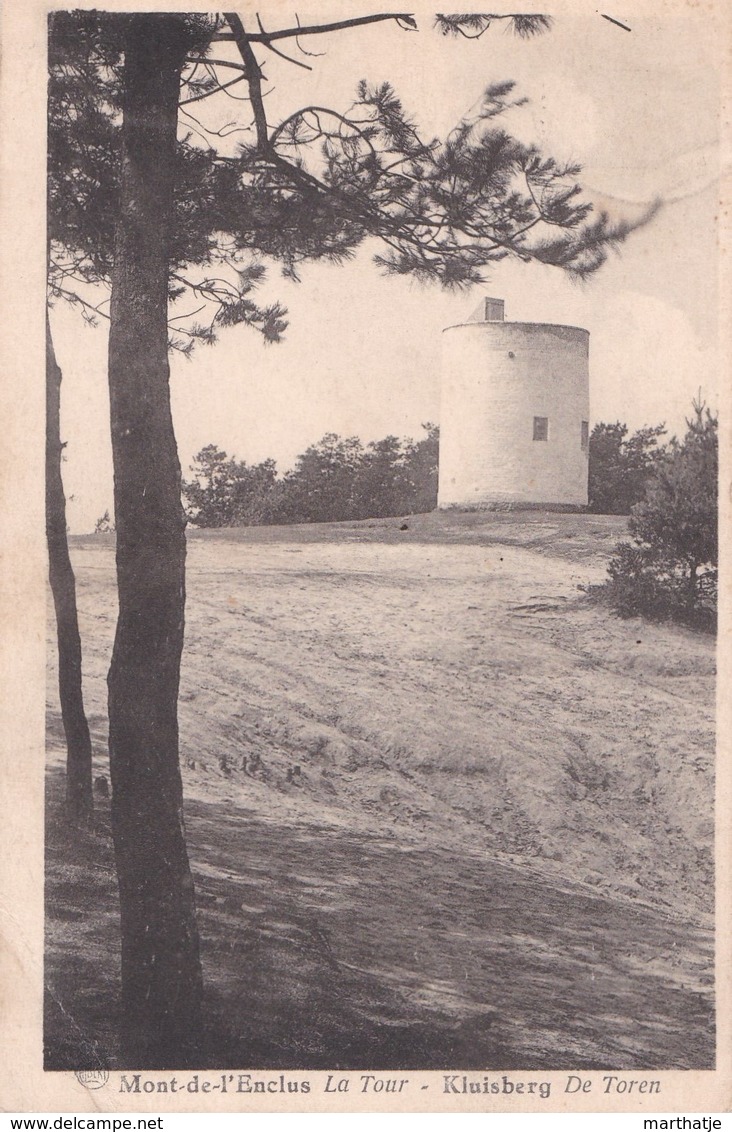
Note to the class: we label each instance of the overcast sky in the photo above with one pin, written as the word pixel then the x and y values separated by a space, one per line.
pixel 638 109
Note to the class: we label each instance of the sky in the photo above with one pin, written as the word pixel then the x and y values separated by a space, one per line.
pixel 638 109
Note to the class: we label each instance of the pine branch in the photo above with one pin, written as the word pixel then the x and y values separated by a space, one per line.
pixel 320 29
pixel 254 72
pixel 221 63
pixel 219 87
pixel 474 25
pixel 288 58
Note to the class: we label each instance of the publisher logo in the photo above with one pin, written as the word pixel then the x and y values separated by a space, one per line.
pixel 92 1078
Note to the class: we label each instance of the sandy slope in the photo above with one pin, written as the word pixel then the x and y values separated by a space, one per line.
pixel 429 755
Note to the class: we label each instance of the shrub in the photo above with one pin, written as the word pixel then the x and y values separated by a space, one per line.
pixel 669 571
pixel 621 467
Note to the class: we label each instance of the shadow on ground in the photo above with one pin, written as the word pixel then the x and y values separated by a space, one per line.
pixel 323 949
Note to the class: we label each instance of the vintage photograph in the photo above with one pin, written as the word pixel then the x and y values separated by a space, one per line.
pixel 383 396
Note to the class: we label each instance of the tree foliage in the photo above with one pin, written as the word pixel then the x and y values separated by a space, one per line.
pixel 311 187
pixel 104 525
pixel 334 480
pixel 621 466
pixel 229 493
pixel 669 571
pixel 476 24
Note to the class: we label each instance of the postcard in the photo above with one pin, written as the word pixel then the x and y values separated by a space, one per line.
pixel 365 624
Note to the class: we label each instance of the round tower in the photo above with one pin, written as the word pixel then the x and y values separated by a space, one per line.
pixel 514 422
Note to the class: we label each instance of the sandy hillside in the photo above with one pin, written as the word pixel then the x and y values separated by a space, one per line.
pixel 414 759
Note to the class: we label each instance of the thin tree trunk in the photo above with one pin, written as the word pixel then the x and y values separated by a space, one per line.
pixel 692 594
pixel 161 972
pixel 79 800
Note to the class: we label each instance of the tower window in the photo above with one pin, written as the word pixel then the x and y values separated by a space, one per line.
pixel 541 428
pixel 585 435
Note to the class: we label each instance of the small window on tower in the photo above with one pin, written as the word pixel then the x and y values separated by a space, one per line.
pixel 541 428
pixel 585 435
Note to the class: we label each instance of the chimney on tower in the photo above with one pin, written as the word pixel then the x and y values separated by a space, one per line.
pixel 488 310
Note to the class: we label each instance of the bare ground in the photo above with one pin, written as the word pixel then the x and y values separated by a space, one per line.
pixel 442 809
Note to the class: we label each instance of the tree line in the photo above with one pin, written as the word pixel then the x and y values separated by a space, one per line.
pixel 336 479
pixel 341 478
pixel 669 491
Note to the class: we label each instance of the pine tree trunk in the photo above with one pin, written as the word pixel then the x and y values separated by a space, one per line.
pixel 161 972
pixel 79 800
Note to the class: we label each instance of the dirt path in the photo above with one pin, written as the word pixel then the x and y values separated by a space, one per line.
pixel 442 811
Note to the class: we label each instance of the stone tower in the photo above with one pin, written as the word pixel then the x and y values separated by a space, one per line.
pixel 514 422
